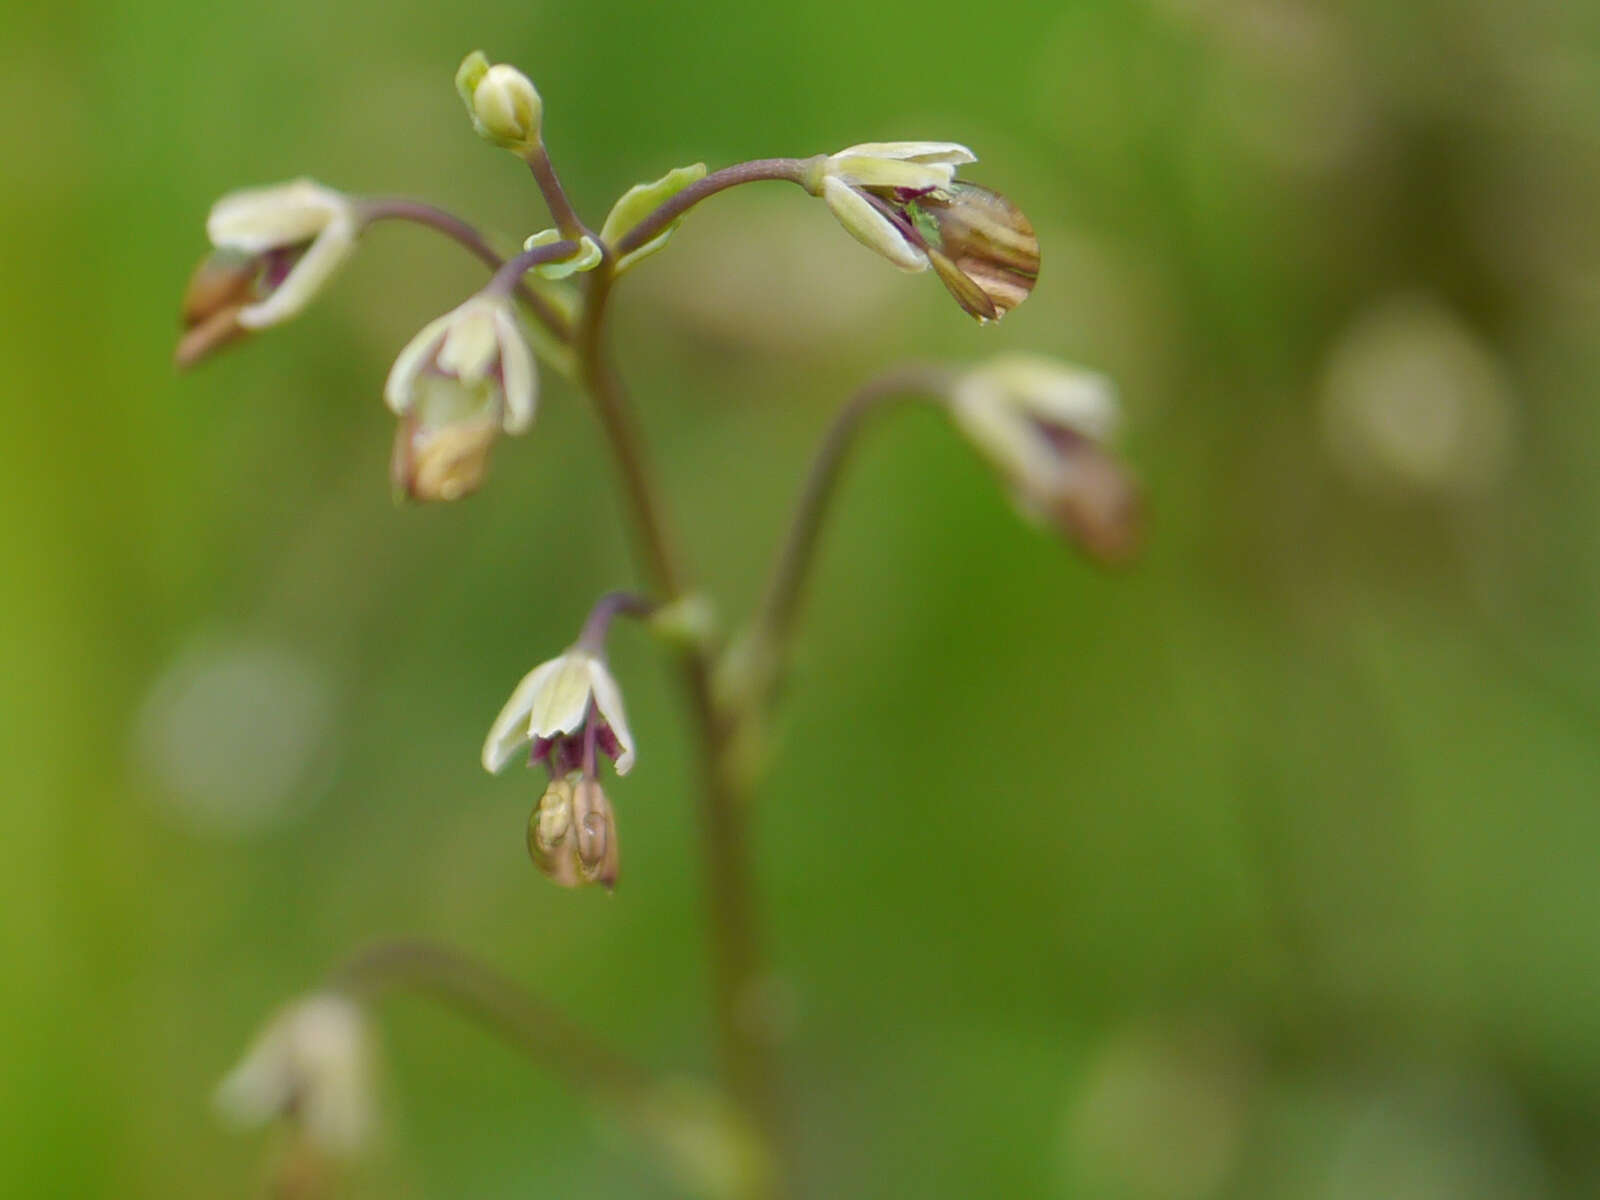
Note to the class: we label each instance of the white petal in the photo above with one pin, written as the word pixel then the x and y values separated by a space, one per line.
pixel 400 388
pixel 305 279
pixel 952 153
pixel 559 706
pixel 889 172
pixel 870 227
pixel 510 731
pixel 518 370
pixel 608 701
pixel 285 214
pixel 470 346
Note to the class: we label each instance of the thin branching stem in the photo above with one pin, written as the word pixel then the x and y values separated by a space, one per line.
pixel 555 196
pixel 398 208
pixel 774 622
pixel 503 1007
pixel 793 170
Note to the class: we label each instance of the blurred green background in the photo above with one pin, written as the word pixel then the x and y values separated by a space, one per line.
pixel 1263 869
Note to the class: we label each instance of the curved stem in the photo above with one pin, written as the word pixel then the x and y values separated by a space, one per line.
pixel 501 1006
pixel 509 277
pixel 746 1063
pixel 793 170
pixel 397 208
pixel 607 609
pixel 775 618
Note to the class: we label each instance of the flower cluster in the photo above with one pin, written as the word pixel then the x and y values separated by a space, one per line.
pixel 471 375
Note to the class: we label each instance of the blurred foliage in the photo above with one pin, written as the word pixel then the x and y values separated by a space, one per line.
pixel 1265 869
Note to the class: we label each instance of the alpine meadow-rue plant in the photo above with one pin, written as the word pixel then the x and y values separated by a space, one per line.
pixel 470 376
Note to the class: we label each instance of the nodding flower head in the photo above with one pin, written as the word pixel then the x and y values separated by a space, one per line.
pixel 568 712
pixel 275 249
pixel 312 1064
pixel 463 379
pixel 1044 428
pixel 903 200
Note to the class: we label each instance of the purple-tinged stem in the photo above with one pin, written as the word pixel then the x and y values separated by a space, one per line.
pixel 793 170
pixel 398 208
pixel 555 196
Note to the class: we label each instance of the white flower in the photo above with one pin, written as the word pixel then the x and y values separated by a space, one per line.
pixel 556 707
pixel 1044 426
pixel 466 376
pixel 313 1062
pixel 902 199
pixel 297 233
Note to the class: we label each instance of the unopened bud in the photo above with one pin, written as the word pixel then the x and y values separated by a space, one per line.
pixel 503 103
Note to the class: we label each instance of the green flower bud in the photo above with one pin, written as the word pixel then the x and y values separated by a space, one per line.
pixel 503 103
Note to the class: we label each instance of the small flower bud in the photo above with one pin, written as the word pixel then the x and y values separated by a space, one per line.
pixel 463 379
pixel 313 1064
pixel 503 103
pixel 1042 427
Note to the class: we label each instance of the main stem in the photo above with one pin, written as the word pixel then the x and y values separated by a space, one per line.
pixel 746 1059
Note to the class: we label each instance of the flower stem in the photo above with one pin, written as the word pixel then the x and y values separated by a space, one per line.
pixel 791 169
pixel 397 208
pixel 607 609
pixel 773 625
pixel 555 196
pixel 746 1060
pixel 509 276
pixel 502 1007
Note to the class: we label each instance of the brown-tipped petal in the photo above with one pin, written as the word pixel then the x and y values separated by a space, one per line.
pixel 595 832
pixel 220 329
pixel 224 280
pixel 988 244
pixel 1099 506
pixel 443 462
pixel 221 287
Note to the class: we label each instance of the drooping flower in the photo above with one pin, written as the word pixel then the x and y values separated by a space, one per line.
pixel 568 712
pixel 312 1064
pixel 276 247
pixel 463 379
pixel 903 200
pixel 1044 427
